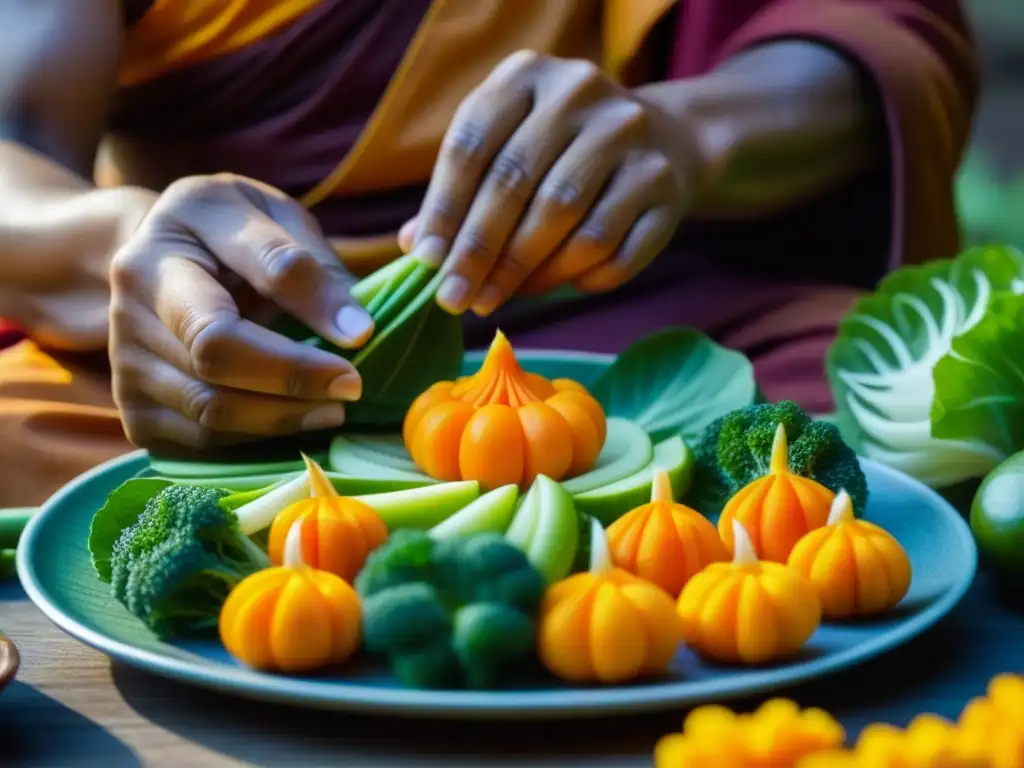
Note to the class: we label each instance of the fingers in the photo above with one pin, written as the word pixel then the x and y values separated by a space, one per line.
pixel 481 127
pixel 648 237
pixel 643 182
pixel 291 265
pixel 407 233
pixel 220 410
pixel 561 202
pixel 225 350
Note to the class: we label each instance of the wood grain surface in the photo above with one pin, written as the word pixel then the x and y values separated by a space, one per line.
pixel 70 706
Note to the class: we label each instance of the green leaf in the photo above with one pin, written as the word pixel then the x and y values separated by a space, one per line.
pixel 676 381
pixel 880 365
pixel 421 346
pixel 122 509
pixel 979 385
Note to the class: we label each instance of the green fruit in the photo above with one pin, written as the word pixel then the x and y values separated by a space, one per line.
pixel 547 528
pixel 422 508
pixel 374 457
pixel 997 517
pixel 610 502
pixel 627 449
pixel 491 513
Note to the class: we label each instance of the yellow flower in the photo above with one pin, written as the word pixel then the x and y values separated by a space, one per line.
pixel 995 722
pixel 928 742
pixel 776 735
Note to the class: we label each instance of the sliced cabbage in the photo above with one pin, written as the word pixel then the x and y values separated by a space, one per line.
pixel 881 365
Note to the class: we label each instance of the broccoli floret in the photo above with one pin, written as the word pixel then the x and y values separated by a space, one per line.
pixel 452 613
pixel 173 568
pixel 735 450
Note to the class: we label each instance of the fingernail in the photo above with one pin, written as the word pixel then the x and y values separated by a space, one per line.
pixel 354 324
pixel 487 301
pixel 348 386
pixel 453 292
pixel 430 251
pixel 325 416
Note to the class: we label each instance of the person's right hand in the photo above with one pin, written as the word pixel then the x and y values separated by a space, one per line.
pixel 191 370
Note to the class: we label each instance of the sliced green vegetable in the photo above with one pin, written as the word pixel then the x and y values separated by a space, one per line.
pixel 491 513
pixel 881 364
pixel 610 502
pixel 676 381
pixel 422 508
pixel 979 386
pixel 120 511
pixel 12 522
pixel 360 459
pixel 627 449
pixel 8 564
pixel 547 528
pixel 222 466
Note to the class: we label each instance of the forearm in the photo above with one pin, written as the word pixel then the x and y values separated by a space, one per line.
pixel 55 223
pixel 772 127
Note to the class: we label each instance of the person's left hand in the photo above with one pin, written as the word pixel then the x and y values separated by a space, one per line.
pixel 550 174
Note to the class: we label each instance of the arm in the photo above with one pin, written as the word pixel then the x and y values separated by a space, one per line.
pixel 58 72
pixel 919 59
pixel 773 126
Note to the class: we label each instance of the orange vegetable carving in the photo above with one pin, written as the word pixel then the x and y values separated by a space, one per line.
pixel 337 532
pixel 503 425
pixel 778 509
pixel 748 610
pixel 291 618
pixel 607 627
pixel 857 568
pixel 664 542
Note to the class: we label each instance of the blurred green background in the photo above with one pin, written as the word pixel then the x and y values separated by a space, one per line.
pixel 990 188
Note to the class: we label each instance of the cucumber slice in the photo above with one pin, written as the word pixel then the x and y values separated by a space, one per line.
pixel 610 502
pixel 224 467
pixel 373 456
pixel 627 449
pixel 491 513
pixel 547 529
pixel 422 508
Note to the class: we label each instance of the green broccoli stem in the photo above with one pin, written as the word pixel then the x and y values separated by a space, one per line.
pixel 8 569
pixel 12 523
pixel 256 556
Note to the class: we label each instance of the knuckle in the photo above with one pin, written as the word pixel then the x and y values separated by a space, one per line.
pixel 523 59
pixel 193 189
pixel 510 173
pixel 474 250
pixel 443 213
pixel 127 270
pixel 282 264
pixel 297 384
pixel 515 268
pixel 465 143
pixel 597 232
pixel 561 195
pixel 202 405
pixel 206 340
pixel 660 169
pixel 585 72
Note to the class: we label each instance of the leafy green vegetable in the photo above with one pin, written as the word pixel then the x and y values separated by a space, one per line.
pixel 736 450
pixel 453 613
pixel 676 381
pixel 175 565
pixel 979 386
pixel 416 343
pixel 881 365
pixel 121 511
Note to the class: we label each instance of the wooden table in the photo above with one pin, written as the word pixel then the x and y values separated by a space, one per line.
pixel 70 706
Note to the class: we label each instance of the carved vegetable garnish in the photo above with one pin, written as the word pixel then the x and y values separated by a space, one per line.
pixel 748 611
pixel 607 626
pixel 664 542
pixel 858 568
pixel 504 425
pixel 778 509
pixel 291 618
pixel 337 532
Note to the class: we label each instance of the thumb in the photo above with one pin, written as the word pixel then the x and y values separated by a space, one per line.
pixel 407 233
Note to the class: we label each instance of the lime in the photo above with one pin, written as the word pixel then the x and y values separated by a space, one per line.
pixel 997 517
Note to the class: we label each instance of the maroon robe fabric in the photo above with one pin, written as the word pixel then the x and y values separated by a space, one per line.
pixel 286 110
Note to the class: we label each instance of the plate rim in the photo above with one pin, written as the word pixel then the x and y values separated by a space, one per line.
pixel 576 703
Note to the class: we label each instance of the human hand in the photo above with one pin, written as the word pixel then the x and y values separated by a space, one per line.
pixel 551 173
pixel 189 368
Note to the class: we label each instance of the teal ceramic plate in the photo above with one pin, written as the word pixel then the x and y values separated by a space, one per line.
pixel 56 571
